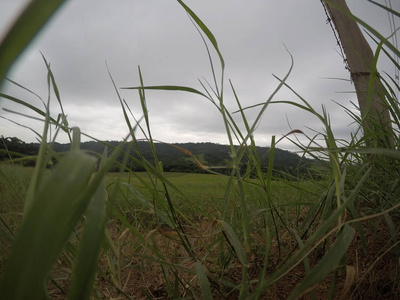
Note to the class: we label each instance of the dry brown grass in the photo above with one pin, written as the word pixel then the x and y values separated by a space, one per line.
pixel 141 274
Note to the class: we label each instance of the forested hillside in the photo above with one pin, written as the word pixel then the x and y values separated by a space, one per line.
pixel 174 157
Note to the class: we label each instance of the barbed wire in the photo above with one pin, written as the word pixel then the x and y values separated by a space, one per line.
pixel 393 30
pixel 392 24
pixel 335 34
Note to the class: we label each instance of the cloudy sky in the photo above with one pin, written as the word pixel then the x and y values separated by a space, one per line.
pixel 158 36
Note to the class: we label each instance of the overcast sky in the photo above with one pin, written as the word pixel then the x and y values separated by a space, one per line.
pixel 159 36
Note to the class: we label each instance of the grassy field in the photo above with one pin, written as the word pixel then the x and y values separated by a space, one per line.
pixel 200 187
pixel 142 243
pixel 207 193
pixel 151 252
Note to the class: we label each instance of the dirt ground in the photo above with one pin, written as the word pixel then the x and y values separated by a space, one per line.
pixel 131 271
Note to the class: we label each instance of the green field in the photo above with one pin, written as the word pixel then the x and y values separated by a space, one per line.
pixel 207 192
pixel 172 215
pixel 159 226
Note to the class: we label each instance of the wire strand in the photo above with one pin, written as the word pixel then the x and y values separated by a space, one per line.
pixel 335 34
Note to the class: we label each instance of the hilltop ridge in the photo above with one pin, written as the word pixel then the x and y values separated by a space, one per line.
pixel 176 157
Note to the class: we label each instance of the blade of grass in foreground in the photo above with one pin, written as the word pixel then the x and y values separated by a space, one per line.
pixel 47 225
pixel 28 24
pixel 204 283
pixel 91 242
pixel 329 262
pixel 316 236
pixel 26 104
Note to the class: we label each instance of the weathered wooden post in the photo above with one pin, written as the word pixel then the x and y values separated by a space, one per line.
pixel 360 60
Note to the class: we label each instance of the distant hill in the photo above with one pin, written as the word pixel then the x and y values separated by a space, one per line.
pixel 172 156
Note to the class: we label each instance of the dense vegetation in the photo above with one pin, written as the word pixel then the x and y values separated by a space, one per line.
pixel 74 230
pixel 174 157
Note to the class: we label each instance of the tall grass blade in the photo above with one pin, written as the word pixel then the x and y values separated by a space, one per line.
pixel 240 252
pixel 204 283
pixel 319 233
pixel 24 29
pixel 205 29
pixel 328 263
pixel 394 235
pixel 377 151
pixel 168 88
pixel 216 89
pixel 93 234
pixel 397 14
pixel 56 209
pixel 265 104
pixel 26 89
pixel 150 206
pixel 235 242
pixel 306 259
pixel 26 104
pixel 57 94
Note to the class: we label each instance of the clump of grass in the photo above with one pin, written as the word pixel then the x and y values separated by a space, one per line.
pixel 143 235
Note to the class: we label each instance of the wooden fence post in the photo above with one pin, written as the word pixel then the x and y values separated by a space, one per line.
pixel 360 61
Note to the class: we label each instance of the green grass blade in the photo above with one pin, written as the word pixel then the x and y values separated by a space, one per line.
pixel 205 29
pixel 328 263
pixel 160 213
pixel 204 283
pixel 377 151
pixel 306 259
pixel 26 89
pixel 235 242
pixel 394 235
pixel 269 100
pixel 216 91
pixel 397 14
pixel 47 225
pixel 25 28
pixel 19 101
pixel 41 162
pixel 93 234
pixel 321 230
pixel 57 94
pixel 168 88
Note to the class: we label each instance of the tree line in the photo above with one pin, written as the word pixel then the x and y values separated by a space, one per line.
pixel 178 157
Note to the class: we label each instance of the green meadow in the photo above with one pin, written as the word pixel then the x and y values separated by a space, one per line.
pixel 142 233
pixel 203 186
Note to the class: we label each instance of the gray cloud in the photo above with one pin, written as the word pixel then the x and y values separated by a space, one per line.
pixel 158 36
